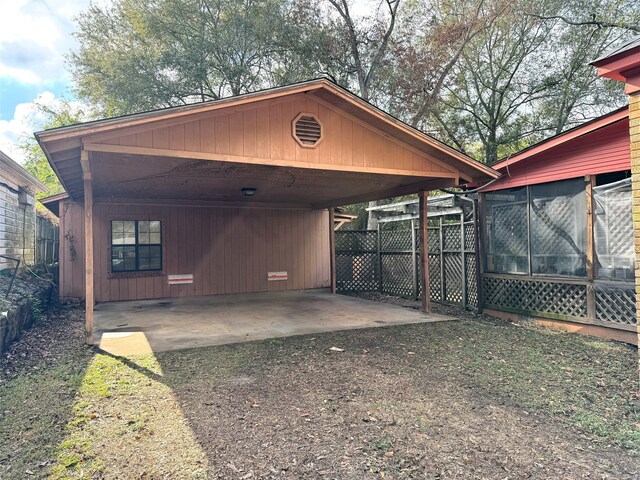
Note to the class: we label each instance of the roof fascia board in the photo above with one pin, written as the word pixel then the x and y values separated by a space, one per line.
pixel 21 176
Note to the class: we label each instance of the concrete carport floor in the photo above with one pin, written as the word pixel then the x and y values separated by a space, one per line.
pixel 138 327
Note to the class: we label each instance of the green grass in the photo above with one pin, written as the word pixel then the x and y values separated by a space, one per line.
pixel 588 383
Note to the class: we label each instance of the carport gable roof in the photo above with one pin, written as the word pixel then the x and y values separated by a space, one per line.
pixel 62 146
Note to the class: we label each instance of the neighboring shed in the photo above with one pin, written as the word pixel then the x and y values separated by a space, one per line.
pixel 558 233
pixel 17 212
pixel 231 196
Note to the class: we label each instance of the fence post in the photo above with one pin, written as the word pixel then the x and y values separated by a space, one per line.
pixel 591 291
pixel 379 251
pixel 442 285
pixel 414 260
pixel 464 262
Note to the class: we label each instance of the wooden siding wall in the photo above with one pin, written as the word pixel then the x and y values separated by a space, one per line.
pixel 228 250
pixel 602 151
pixel 17 228
pixel 263 131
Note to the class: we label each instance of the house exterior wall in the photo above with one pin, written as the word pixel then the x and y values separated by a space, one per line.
pixel 228 250
pixel 17 227
pixel 602 151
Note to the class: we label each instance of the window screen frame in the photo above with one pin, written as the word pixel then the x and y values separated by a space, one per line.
pixel 137 245
pixel 530 273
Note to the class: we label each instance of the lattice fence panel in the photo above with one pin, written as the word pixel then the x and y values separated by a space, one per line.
pixel 554 221
pixel 435 284
pixel 510 233
pixel 620 235
pixel 397 274
pixel 395 240
pixel 469 237
pixel 472 285
pixel 357 272
pixel 529 296
pixel 453 278
pixel 617 305
pixel 434 240
pixel 356 241
pixel 451 236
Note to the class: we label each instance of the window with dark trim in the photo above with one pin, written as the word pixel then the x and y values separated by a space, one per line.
pixel 136 245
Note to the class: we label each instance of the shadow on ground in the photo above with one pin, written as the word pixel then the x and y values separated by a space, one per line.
pixel 466 399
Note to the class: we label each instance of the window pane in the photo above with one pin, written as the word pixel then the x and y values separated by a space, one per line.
pixel 558 228
pixel 150 258
pixel 129 233
pixel 143 232
pixel 506 231
pixel 149 232
pixel 149 251
pixel 614 231
pixel 117 232
pixel 154 226
pixel 123 259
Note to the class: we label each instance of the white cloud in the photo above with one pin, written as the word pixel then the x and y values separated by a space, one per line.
pixel 34 37
pixel 27 118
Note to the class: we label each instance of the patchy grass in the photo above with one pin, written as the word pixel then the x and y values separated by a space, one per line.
pixel 464 399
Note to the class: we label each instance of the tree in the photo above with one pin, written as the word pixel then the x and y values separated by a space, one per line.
pixel 356 49
pixel 143 54
pixel 59 115
pixel 578 93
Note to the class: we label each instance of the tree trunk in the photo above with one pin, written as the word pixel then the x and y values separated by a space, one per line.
pixel 372 221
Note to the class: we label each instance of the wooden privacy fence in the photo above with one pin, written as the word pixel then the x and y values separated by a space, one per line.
pixel 47 238
pixel 386 261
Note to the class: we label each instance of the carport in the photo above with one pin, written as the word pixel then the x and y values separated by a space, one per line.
pixel 140 326
pixel 234 196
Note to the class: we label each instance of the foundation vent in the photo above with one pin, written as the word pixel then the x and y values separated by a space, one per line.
pixel 307 130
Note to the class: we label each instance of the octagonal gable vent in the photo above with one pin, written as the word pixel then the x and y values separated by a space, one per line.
pixel 307 130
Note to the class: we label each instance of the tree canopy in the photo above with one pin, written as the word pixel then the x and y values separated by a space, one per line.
pixel 487 76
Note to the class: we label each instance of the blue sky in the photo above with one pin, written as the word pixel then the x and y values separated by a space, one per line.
pixel 35 36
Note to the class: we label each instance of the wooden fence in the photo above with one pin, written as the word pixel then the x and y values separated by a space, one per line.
pixel 386 261
pixel 47 238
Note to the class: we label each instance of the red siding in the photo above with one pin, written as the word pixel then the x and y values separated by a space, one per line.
pixel 602 151
pixel 228 250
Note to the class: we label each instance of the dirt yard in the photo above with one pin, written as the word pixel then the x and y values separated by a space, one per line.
pixel 468 399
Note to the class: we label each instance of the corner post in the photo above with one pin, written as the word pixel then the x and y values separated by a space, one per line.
pixel 634 131
pixel 591 292
pixel 88 244
pixel 414 261
pixel 332 249
pixel 424 251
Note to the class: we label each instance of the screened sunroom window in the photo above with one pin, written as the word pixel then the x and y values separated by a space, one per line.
pixel 136 245
pixel 613 231
pixel 507 232
pixel 559 228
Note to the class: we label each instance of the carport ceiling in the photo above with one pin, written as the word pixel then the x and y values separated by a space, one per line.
pixel 133 177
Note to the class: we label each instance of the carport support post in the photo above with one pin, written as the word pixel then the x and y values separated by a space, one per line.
pixel 88 244
pixel 332 249
pixel 424 251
